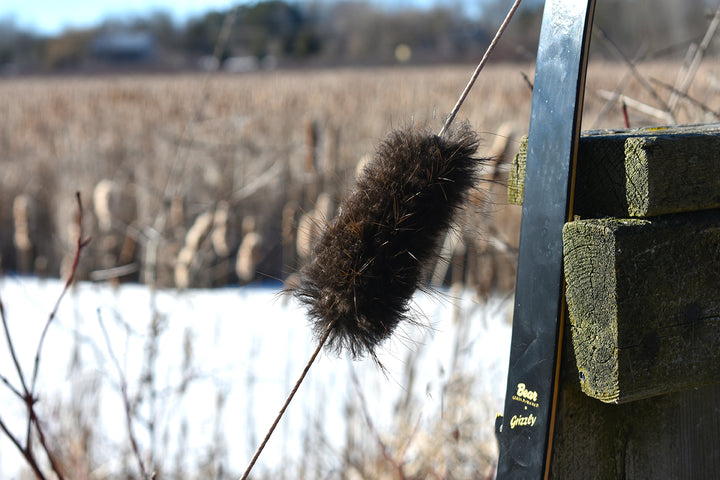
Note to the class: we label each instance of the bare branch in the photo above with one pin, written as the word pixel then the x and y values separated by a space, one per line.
pixel 125 399
pixel 397 465
pixel 41 436
pixel 685 96
pixel 26 453
pixel 29 395
pixel 610 102
pixel 26 450
pixel 14 390
pixel 81 243
pixel 637 105
pixel 528 82
pixel 683 85
pixel 11 347
pixel 626 119
pixel 633 68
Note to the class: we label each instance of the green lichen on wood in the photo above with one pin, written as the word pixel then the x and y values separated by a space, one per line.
pixel 644 303
pixel 640 172
pixel 589 250
pixel 672 173
pixel 516 177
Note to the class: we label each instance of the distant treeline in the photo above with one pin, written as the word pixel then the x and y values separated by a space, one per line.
pixel 321 33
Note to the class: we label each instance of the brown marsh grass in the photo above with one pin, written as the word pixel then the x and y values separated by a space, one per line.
pixel 184 145
pixel 209 139
pixel 195 140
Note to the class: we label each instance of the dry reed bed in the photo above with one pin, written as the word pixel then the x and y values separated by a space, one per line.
pixel 193 141
pixel 187 148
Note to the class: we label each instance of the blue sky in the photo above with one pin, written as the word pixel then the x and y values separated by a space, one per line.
pixel 52 16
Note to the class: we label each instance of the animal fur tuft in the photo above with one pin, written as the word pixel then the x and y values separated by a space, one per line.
pixel 371 258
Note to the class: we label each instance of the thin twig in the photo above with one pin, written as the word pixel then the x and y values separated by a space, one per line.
pixel 28 394
pixel 637 105
pixel 641 55
pixel 304 373
pixel 154 233
pixel 81 243
pixel 687 80
pixel 41 436
pixel 633 68
pixel 188 132
pixel 685 96
pixel 610 102
pixel 368 420
pixel 11 347
pixel 258 183
pixel 410 438
pixel 14 440
pixel 10 386
pixel 25 451
pixel 626 119
pixel 528 82
pixel 480 66
pixel 27 454
pixel 125 399
pixel 683 71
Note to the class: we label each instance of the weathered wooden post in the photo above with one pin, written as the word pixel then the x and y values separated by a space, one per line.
pixel 640 379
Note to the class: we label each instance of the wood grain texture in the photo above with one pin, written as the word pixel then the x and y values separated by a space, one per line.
pixel 644 303
pixel 640 172
pixel 669 436
pixel 516 177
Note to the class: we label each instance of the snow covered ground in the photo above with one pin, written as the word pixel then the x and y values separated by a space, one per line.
pixel 211 368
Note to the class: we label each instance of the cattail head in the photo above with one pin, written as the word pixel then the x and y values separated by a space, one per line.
pixel 103 203
pixel 371 258
pixel 248 256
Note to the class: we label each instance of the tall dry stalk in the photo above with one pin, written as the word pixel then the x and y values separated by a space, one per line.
pixel 28 392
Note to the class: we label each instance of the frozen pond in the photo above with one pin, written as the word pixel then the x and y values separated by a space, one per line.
pixel 209 369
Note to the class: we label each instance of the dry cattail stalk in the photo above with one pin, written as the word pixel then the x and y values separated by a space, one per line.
pixel 248 225
pixel 310 146
pixel 288 222
pixel 310 226
pixel 114 205
pixel 177 211
pixel 324 208
pixel 182 275
pixel 22 206
pixel 199 230
pixel 501 145
pixel 248 256
pixel 21 220
pixel 453 246
pixel 306 231
pixel 219 234
pixel 331 154
pixel 103 195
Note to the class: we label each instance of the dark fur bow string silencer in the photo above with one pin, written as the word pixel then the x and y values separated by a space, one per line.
pixel 371 258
